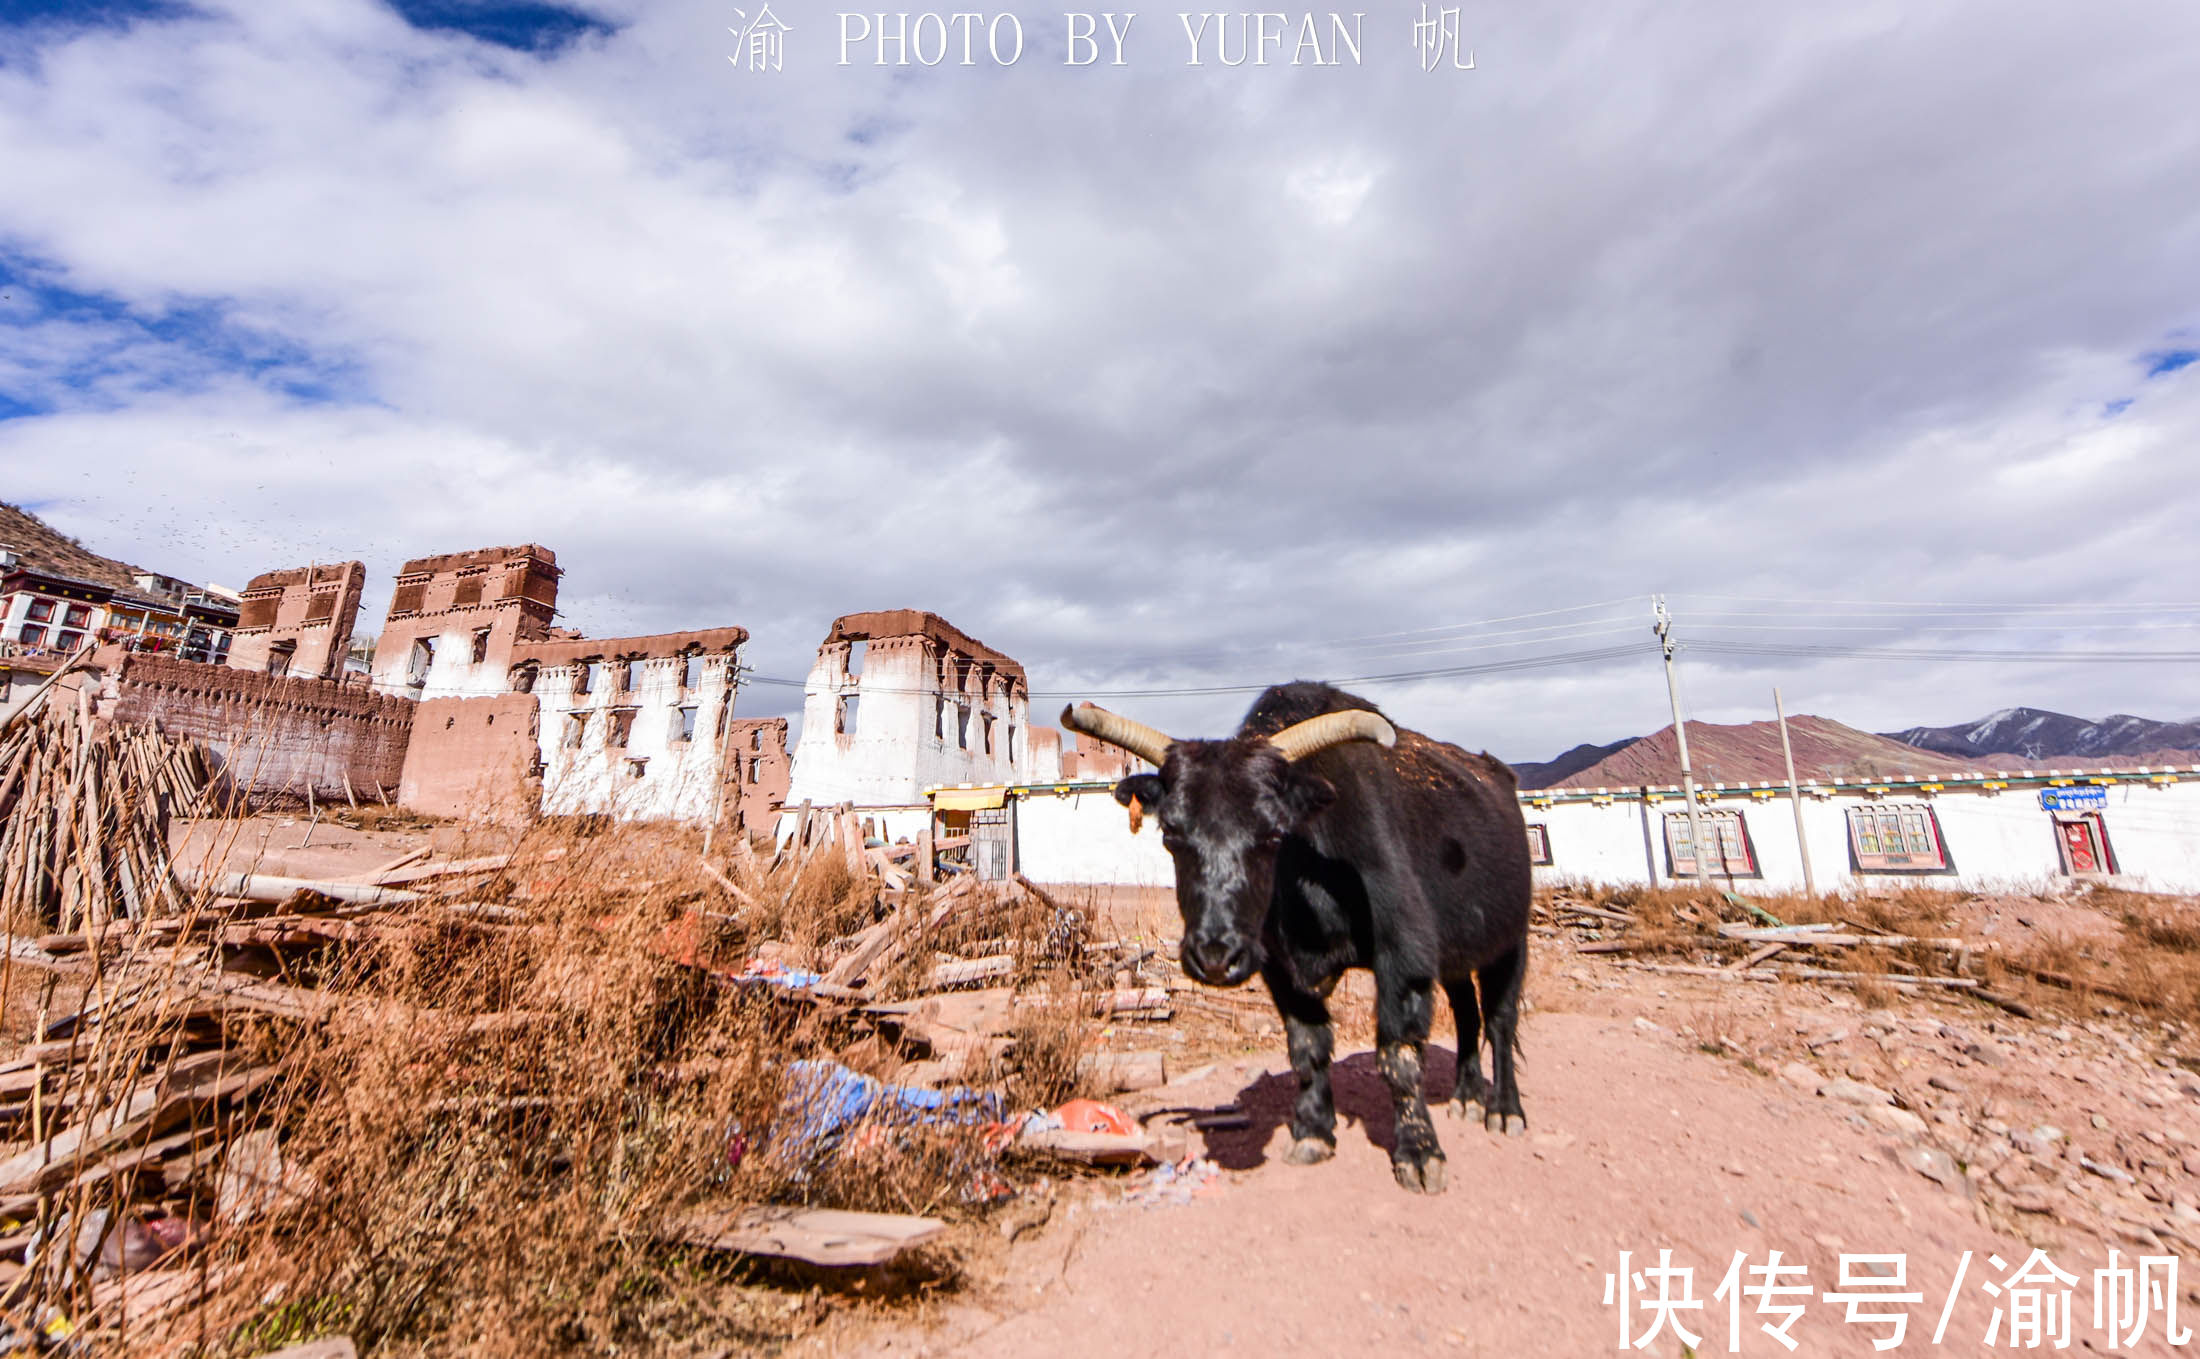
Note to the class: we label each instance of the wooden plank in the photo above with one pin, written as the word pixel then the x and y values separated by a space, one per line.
pixel 328 1347
pixel 1090 1148
pixel 1757 956
pixel 970 970
pixel 1120 1072
pixel 726 884
pixel 833 1238
pixel 487 864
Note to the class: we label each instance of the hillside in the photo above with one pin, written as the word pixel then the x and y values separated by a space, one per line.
pixel 2036 734
pixel 45 548
pixel 1750 752
pixel 1545 773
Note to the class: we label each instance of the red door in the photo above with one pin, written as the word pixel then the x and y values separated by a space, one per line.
pixel 2084 844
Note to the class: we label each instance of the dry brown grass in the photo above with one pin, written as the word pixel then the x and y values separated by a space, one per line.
pixel 499 1121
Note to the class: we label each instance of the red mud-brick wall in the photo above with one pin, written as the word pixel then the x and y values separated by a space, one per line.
pixel 274 736
pixel 760 745
pixel 474 758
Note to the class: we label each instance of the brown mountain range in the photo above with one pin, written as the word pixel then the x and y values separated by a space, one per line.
pixel 1824 749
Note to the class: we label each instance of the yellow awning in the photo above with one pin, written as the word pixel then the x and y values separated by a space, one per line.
pixel 968 799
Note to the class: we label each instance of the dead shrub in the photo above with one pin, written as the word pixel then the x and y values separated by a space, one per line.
pixel 500 1119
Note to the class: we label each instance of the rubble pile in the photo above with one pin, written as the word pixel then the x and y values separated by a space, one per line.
pixel 151 1115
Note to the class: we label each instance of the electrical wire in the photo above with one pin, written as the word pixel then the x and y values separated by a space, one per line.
pixel 1396 677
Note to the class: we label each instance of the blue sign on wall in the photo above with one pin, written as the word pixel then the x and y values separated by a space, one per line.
pixel 2073 799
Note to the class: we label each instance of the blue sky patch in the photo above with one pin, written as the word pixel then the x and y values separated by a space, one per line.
pixel 2116 407
pixel 2164 361
pixel 88 13
pixel 522 25
pixel 72 348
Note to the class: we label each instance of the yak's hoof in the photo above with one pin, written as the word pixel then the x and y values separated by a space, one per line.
pixel 1511 1125
pixel 1427 1177
pixel 1308 1151
pixel 1465 1110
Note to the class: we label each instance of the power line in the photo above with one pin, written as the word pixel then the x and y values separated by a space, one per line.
pixel 1942 653
pixel 1187 691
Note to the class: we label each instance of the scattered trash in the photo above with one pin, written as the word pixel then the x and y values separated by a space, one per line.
pixel 1176 1182
pixel 825 1099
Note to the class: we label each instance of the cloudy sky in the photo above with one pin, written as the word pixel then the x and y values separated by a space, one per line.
pixel 1159 376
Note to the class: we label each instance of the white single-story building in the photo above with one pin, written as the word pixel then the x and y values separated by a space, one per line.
pixel 2138 828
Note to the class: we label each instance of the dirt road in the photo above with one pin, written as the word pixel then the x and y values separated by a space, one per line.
pixel 1641 1141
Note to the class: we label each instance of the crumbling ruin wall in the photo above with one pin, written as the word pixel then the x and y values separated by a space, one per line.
pixel 634 727
pixel 474 758
pixel 275 736
pixel 298 622
pixel 456 620
pixel 901 700
pixel 759 764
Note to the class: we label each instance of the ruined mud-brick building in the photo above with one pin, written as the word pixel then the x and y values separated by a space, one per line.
pixel 455 620
pixel 298 622
pixel 901 701
pixel 273 736
pixel 761 765
pixel 518 716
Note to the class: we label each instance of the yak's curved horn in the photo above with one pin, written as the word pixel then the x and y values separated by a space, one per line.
pixel 1302 739
pixel 1089 719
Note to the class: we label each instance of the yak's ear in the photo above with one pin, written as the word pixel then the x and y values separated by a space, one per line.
pixel 1144 787
pixel 1307 795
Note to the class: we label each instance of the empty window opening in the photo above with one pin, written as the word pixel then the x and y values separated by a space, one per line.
pixel 686 728
pixel 423 660
pixel 985 731
pixel 588 677
pixel 756 739
pixel 939 719
pixel 1896 838
pixel 855 658
pixel 962 726
pixel 636 768
pixel 621 728
pixel 481 645
pixel 576 726
pixel 844 714
pixel 630 676
pixel 279 657
pixel 691 673
pixel 754 767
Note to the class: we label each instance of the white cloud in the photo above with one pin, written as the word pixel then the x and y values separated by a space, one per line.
pixel 1153 377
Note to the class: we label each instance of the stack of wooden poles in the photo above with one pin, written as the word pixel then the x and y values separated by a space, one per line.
pixel 84 813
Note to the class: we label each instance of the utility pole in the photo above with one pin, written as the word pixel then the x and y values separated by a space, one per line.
pixel 1795 793
pixel 1664 629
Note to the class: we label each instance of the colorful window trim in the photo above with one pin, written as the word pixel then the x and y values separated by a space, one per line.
pixel 1896 837
pixel 1732 832
pixel 1539 844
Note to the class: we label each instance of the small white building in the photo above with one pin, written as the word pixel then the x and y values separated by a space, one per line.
pixel 1986 831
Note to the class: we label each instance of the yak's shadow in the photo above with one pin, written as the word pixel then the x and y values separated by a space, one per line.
pixel 1362 1098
